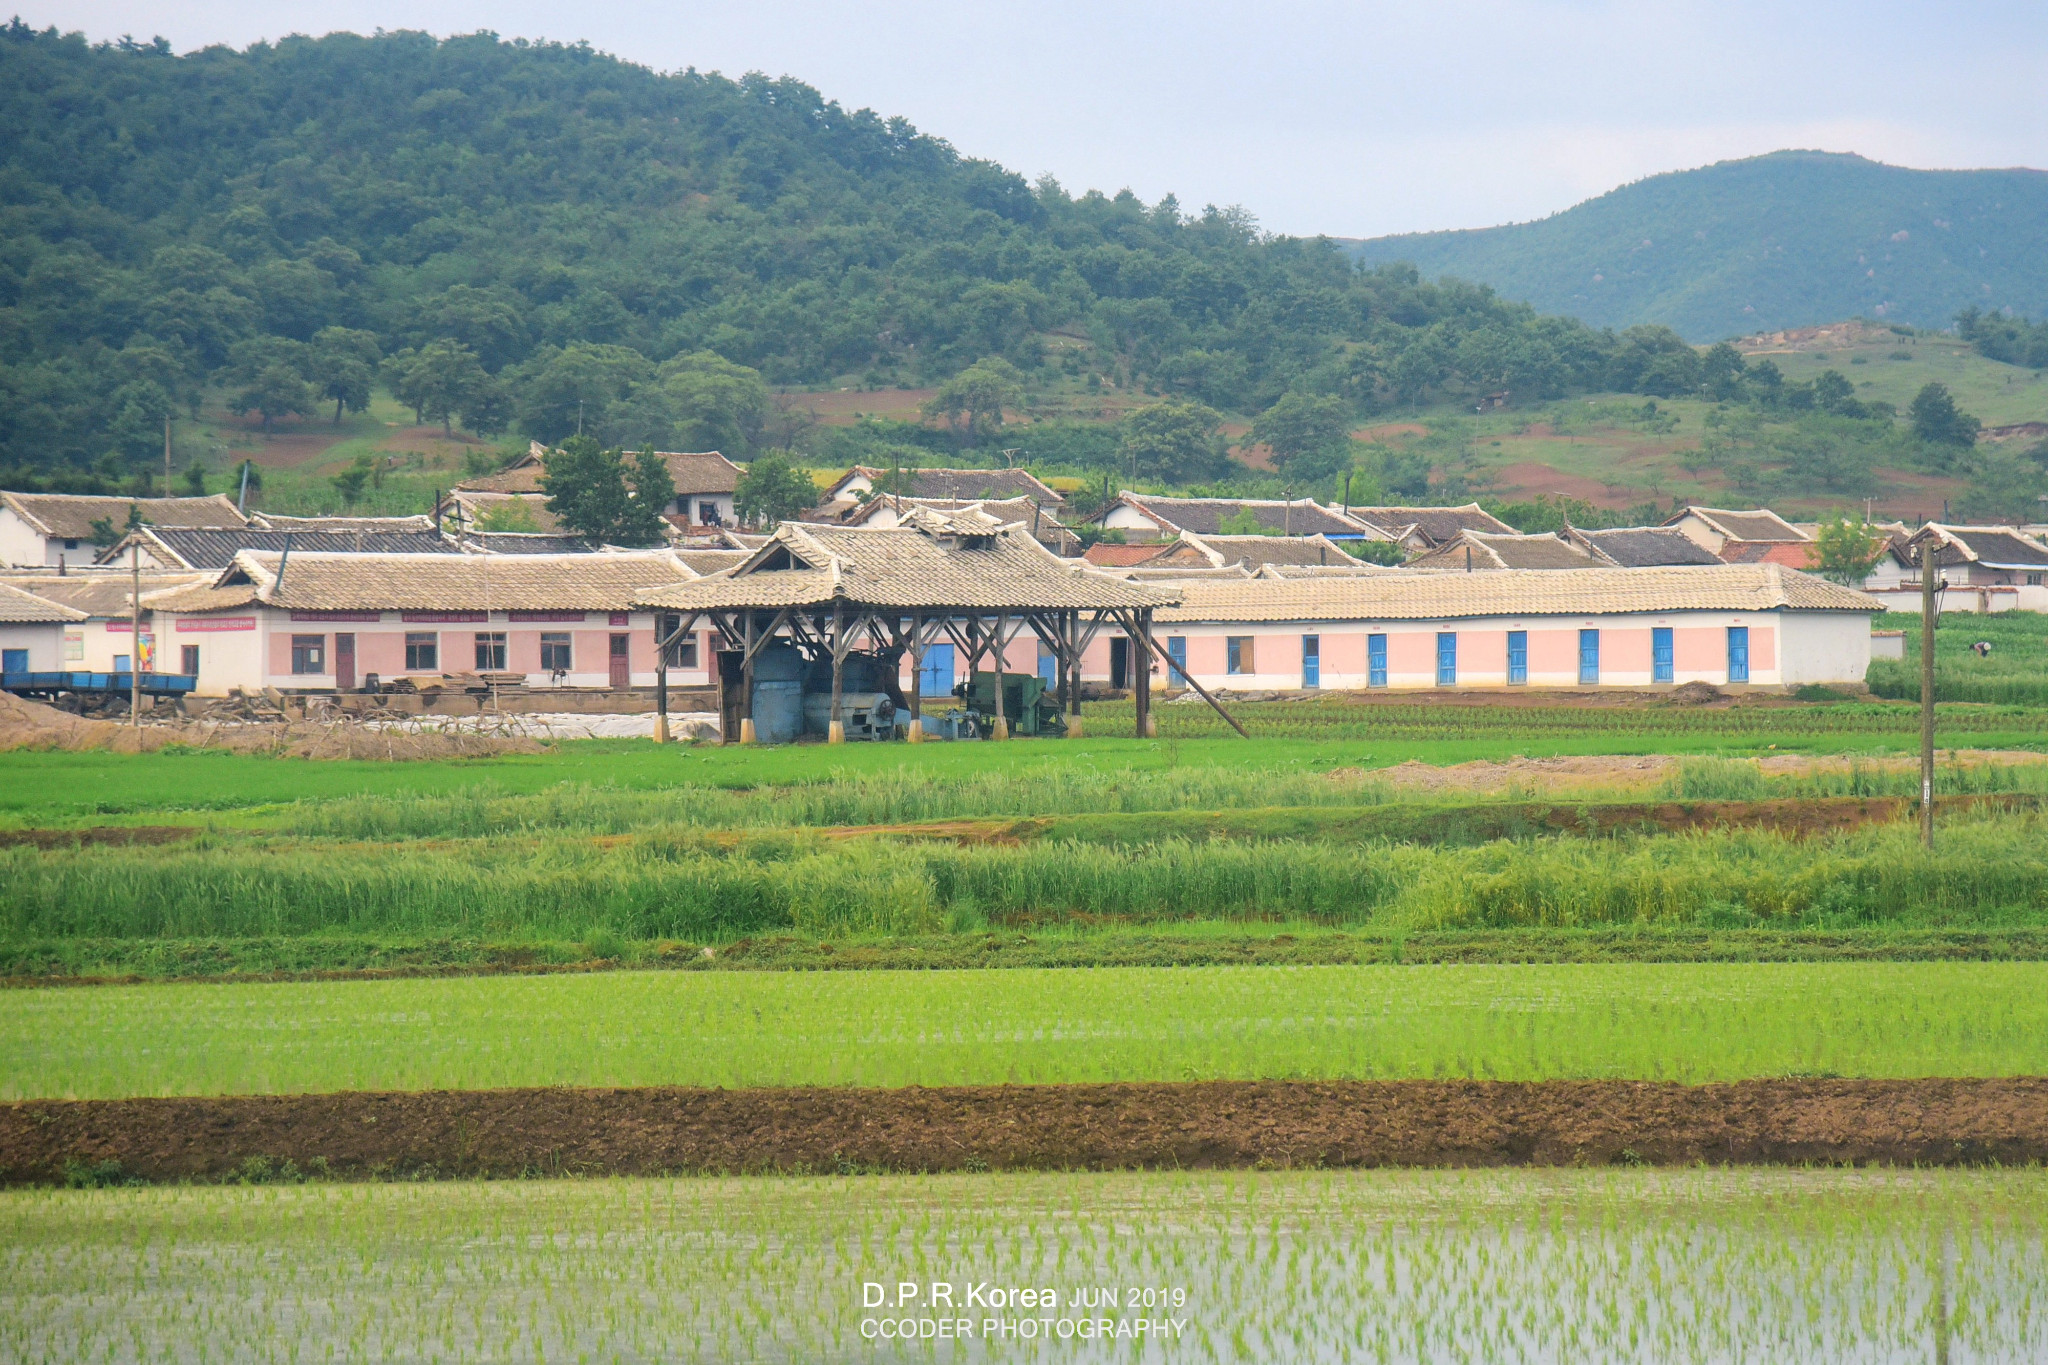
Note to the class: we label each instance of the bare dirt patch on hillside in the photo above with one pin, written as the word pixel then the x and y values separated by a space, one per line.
pixel 1201 1124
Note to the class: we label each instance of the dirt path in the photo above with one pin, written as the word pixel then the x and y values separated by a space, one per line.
pixel 1207 1124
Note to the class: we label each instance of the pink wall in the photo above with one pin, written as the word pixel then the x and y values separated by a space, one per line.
pixel 1699 649
pixel 1206 655
pixel 381 652
pixel 1763 650
pixel 1482 655
pixel 1626 650
pixel 1411 652
pixel 281 647
pixel 1345 654
pixel 1554 651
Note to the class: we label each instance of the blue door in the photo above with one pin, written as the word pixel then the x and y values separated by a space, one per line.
pixel 1589 657
pixel 1447 658
pixel 1375 661
pixel 1661 665
pixel 13 661
pixel 1311 661
pixel 1518 656
pixel 1048 669
pixel 935 679
pixel 1177 651
pixel 1738 654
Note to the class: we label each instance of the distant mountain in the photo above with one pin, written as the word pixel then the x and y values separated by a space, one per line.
pixel 1786 240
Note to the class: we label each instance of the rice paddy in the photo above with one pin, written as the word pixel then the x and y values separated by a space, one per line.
pixel 1686 1266
pixel 1677 1022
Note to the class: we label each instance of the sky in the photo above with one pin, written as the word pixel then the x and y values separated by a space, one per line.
pixel 1351 119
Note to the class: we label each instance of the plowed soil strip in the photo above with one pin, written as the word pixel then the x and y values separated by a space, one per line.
pixel 1201 1124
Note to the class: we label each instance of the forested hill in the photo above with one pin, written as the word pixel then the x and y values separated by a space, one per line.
pixel 551 231
pixel 1792 239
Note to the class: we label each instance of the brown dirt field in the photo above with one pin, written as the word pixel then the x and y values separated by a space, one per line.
pixel 99 834
pixel 1533 479
pixel 28 724
pixel 1201 1124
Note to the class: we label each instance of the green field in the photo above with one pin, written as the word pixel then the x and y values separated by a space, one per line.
pixel 1692 1023
pixel 2014 673
pixel 1328 1266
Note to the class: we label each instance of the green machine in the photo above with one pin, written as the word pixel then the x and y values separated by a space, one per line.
pixel 1027 705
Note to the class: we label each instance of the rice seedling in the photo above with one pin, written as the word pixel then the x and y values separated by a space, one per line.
pixel 1689 1022
pixel 1329 1266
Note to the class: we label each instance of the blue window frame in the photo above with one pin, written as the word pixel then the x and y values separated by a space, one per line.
pixel 1447 658
pixel 1518 656
pixel 1589 657
pixel 1662 664
pixel 1375 661
pixel 1311 661
pixel 1237 654
pixel 1177 650
pixel 935 679
pixel 1738 654
pixel 13 661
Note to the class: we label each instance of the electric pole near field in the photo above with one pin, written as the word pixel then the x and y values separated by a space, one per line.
pixel 1927 615
pixel 167 454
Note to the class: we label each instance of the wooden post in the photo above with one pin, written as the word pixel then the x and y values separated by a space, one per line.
pixel 747 734
pixel 1200 691
pixel 916 735
pixel 1928 555
pixel 1072 623
pixel 1141 680
pixel 135 628
pixel 1002 730
pixel 835 729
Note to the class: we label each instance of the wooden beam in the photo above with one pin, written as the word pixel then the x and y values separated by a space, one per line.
pixel 1202 691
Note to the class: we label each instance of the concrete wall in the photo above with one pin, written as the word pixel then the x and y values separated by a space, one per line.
pixel 44 641
pixel 23 547
pixel 1824 647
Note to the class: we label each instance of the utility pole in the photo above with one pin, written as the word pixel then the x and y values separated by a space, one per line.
pixel 167 455
pixel 135 631
pixel 1927 614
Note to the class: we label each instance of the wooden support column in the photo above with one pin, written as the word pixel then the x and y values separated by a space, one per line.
pixel 1002 730
pixel 835 730
pixel 916 697
pixel 747 735
pixel 663 647
pixel 1141 679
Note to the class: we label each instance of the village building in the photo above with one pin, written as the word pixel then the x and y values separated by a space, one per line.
pixel 1754 537
pixel 102 639
pixel 888 510
pixel 1192 551
pixel 1424 528
pixel 1729 625
pixel 857 486
pixel 1982 568
pixel 1147 516
pixel 48 530
pixel 278 521
pixel 1640 547
pixel 169 547
pixel 705 483
pixel 32 632
pixel 1486 551
pixel 324 622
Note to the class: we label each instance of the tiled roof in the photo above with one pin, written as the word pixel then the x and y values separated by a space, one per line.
pixel 692 471
pixel 713 561
pixel 1406 596
pixel 1300 517
pixel 349 582
pixel 1040 520
pixel 24 608
pixel 196 548
pixel 1760 524
pixel 957 560
pixel 1437 524
pixel 1995 547
pixel 71 515
pixel 1792 554
pixel 526 543
pixel 1493 552
pixel 1643 547
pixel 476 504
pixel 1109 555
pixel 1257 550
pixel 959 485
pixel 99 593
pixel 274 521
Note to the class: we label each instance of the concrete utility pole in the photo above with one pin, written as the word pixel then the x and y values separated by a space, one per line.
pixel 167 455
pixel 1928 555
pixel 135 632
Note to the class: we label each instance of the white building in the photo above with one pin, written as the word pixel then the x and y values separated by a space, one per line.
pixel 46 530
pixel 1982 568
pixel 32 632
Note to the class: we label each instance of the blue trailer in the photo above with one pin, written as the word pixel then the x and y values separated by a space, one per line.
pixel 97 684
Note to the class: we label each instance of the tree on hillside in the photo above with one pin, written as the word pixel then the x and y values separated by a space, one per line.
pixel 341 363
pixel 594 492
pixel 1306 432
pixel 973 400
pixel 773 490
pixel 439 381
pixel 1174 441
pixel 265 375
pixel 1845 551
pixel 573 390
pixel 715 404
pixel 1939 422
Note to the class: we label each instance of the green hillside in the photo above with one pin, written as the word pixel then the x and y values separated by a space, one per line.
pixel 1792 239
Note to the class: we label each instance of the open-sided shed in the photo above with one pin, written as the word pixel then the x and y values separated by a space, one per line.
pixel 959 577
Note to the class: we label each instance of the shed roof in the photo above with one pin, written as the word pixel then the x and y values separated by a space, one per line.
pixel 1994 547
pixel 1296 516
pixel 276 521
pixel 25 608
pixel 1493 552
pixel 71 515
pixel 1757 524
pixel 959 485
pixel 1436 524
pixel 1257 550
pixel 965 561
pixel 478 582
pixel 102 593
pixel 1406 596
pixel 1643 547
pixel 194 547
pixel 692 471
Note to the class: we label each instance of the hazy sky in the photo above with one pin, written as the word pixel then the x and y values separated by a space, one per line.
pixel 1352 119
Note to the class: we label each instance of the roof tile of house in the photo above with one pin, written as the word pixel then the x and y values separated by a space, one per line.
pixel 1495 552
pixel 1203 516
pixel 25 608
pixel 1437 524
pixel 1644 547
pixel 351 582
pixel 71 515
